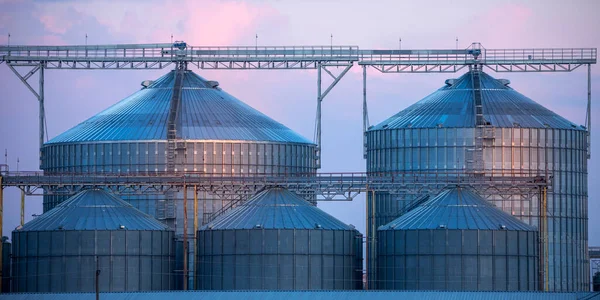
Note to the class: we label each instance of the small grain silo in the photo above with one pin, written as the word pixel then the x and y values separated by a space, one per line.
pixel 457 241
pixel 278 241
pixel 61 250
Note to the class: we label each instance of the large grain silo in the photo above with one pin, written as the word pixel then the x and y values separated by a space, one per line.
pixel 478 124
pixel 61 250
pixel 457 241
pixel 178 123
pixel 278 241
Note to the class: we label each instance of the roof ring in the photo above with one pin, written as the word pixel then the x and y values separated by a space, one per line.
pixel 502 226
pixel 258 226
pixel 121 226
pixel 318 226
pixel 442 226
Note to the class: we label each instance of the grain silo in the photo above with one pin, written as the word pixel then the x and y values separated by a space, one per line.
pixel 61 250
pixel 178 123
pixel 278 241
pixel 457 241
pixel 479 125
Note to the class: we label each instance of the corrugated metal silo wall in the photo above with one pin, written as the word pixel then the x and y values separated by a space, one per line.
pixel 65 261
pixel 279 259
pixel 558 152
pixel 468 260
pixel 229 158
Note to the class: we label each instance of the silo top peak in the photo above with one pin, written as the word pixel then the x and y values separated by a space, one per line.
pixel 276 208
pixel 453 106
pixel 457 208
pixel 94 209
pixel 204 112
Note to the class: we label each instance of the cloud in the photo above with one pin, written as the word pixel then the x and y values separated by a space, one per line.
pixel 5 19
pixel 55 24
pixel 197 22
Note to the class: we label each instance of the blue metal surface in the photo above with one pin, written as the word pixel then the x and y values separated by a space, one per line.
pixel 452 106
pixel 312 295
pixel 206 113
pixel 457 208
pixel 277 208
pixel 93 210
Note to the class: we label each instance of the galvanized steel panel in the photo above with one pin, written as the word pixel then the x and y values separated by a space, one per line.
pixel 277 208
pixel 206 114
pixel 313 295
pixel 93 210
pixel 278 265
pixel 456 208
pixel 465 266
pixel 452 106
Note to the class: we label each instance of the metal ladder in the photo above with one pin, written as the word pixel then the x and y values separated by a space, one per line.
pixel 483 132
pixel 166 209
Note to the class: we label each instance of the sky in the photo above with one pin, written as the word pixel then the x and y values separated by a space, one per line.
pixel 290 96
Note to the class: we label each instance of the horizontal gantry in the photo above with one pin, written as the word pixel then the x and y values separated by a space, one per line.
pixel 158 56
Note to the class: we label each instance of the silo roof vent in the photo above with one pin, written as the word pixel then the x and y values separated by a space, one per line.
pixel 450 82
pixel 504 82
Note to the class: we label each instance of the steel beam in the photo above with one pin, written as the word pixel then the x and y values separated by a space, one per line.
pixel 589 110
pixel 39 95
pixel 42 111
pixel 22 207
pixel 185 239
pixel 1 227
pixel 365 111
pixel 318 118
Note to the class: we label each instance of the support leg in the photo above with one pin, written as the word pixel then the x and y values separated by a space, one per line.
pixel 42 112
pixel 589 111
pixel 1 227
pixel 320 96
pixel 365 112
pixel 195 235
pixel 22 207
pixel 185 240
pixel 318 129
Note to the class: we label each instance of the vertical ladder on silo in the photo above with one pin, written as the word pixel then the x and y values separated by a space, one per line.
pixel 166 208
pixel 474 157
pixel 172 121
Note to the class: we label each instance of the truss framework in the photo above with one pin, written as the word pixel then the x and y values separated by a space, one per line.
pixel 326 186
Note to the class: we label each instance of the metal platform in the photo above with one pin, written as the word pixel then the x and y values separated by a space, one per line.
pixel 326 186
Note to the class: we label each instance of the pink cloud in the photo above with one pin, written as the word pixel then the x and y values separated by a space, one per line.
pixel 55 24
pixel 5 19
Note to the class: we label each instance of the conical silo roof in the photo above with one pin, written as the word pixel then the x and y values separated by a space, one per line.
pixel 205 112
pixel 452 106
pixel 277 208
pixel 457 208
pixel 94 210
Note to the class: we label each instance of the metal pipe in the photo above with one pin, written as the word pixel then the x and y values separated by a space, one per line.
pixel 1 227
pixel 22 207
pixel 42 112
pixel 589 111
pixel 319 100
pixel 367 237
pixel 195 235
pixel 365 113
pixel 185 240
